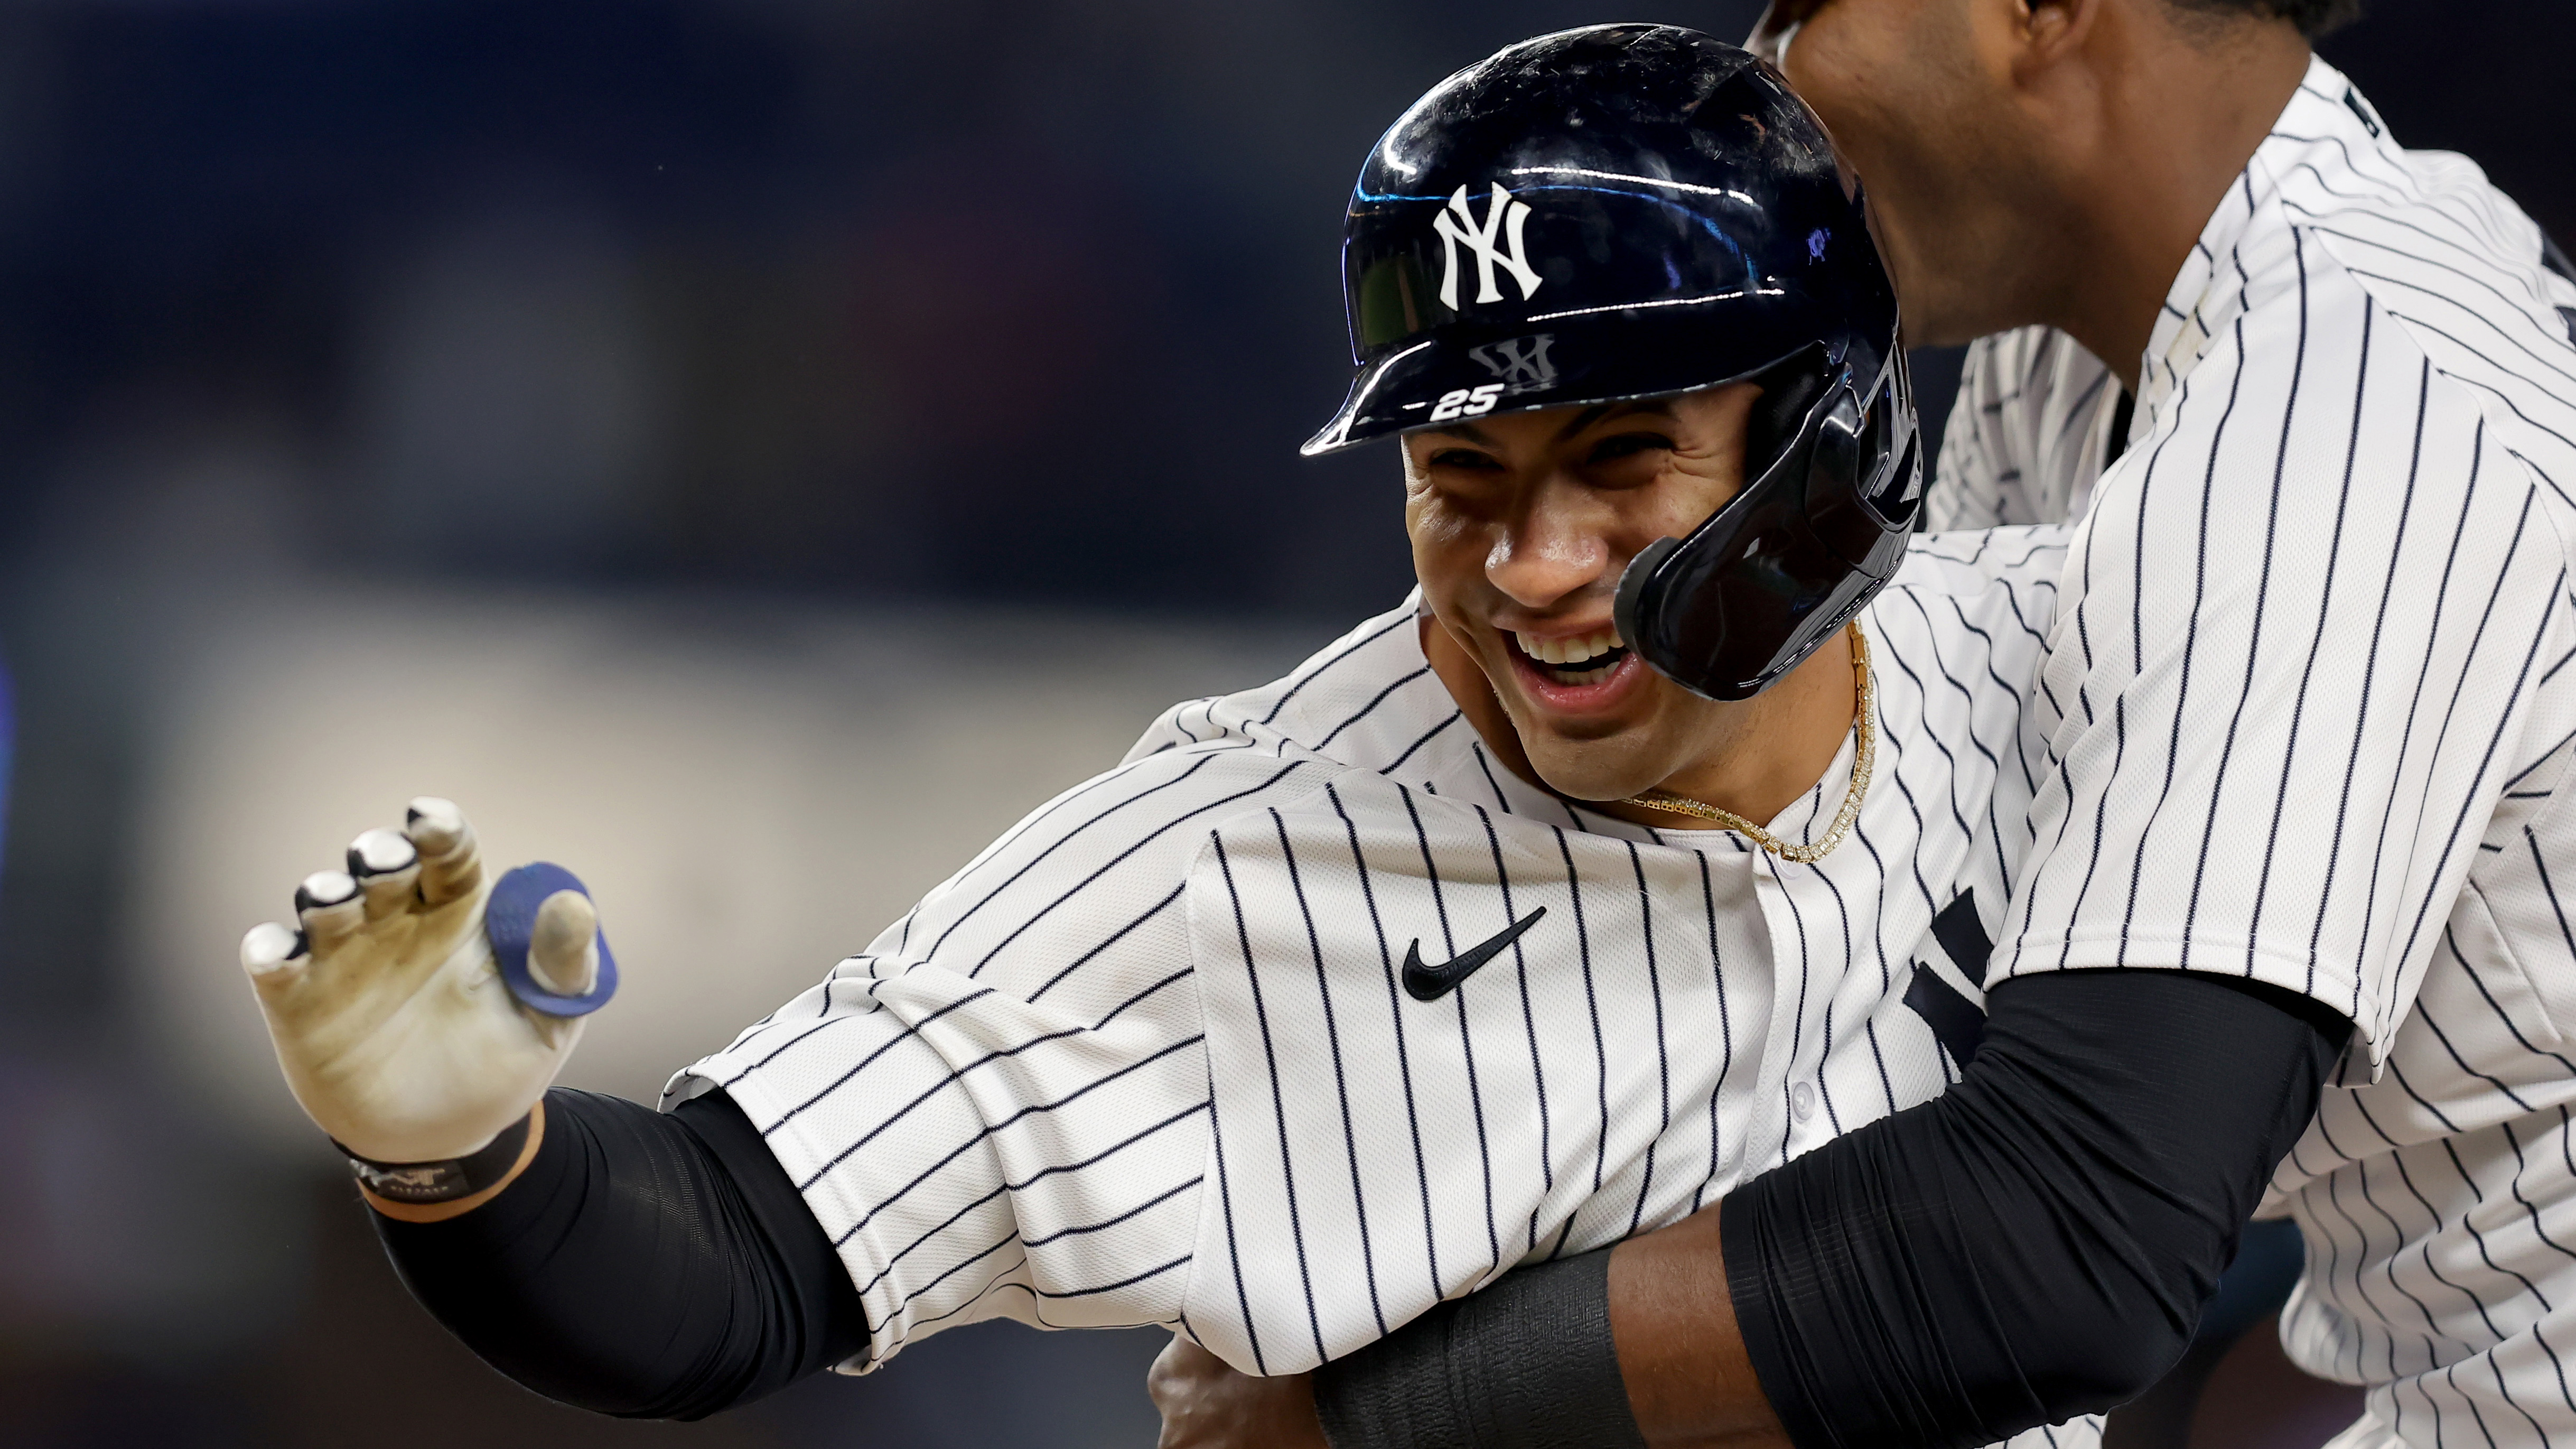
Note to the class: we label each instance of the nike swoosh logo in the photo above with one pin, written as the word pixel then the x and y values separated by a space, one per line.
pixel 1430 983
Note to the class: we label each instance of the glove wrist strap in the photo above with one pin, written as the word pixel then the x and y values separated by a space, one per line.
pixel 456 1180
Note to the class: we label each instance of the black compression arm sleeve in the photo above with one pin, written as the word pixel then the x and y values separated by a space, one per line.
pixel 644 1265
pixel 2035 1244
pixel 2038 1242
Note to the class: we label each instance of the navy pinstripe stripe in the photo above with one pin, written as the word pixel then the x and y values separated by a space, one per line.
pixel 1466 1038
pixel 1341 1078
pixel 2254 639
pixel 1529 1024
pixel 2190 646
pixel 1592 1000
pixel 1395 1014
pixel 1278 1096
pixel 1663 1052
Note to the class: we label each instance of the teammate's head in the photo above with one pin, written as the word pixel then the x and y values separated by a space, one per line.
pixel 2016 151
pixel 1620 296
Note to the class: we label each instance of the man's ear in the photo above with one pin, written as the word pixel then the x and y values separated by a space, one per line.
pixel 2047 32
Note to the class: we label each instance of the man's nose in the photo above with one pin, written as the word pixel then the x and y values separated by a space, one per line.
pixel 1554 550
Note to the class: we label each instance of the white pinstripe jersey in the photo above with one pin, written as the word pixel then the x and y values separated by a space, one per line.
pixel 2308 712
pixel 1147 1059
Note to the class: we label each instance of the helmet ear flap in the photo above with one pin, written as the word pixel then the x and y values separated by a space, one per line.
pixel 1833 488
pixel 1892 450
pixel 1899 494
pixel 1790 390
pixel 1625 608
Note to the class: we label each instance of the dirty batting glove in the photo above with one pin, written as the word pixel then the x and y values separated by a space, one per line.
pixel 421 1011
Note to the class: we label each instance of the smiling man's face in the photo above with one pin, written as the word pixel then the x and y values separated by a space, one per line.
pixel 1521 526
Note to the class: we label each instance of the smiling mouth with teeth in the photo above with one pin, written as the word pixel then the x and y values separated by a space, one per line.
pixel 1579 660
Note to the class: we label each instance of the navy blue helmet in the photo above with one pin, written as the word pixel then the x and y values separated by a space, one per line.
pixel 1632 211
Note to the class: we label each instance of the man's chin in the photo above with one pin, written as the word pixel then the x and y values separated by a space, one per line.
pixel 1591 777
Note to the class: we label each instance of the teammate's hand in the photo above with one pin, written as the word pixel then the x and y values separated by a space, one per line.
pixel 388 1008
pixel 1207 1405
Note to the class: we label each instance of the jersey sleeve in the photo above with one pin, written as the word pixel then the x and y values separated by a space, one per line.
pixel 2300 635
pixel 1000 1108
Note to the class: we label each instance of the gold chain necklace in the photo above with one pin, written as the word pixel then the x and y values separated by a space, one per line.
pixel 1862 764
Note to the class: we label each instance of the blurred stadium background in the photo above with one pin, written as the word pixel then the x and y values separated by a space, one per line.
pixel 751 450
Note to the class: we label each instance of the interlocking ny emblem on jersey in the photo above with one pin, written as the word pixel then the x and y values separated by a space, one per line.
pixel 1430 983
pixel 1959 1023
pixel 1504 218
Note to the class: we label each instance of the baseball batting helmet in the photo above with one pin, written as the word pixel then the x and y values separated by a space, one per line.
pixel 1630 211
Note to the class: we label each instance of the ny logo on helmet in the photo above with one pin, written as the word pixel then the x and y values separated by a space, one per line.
pixel 1504 218
pixel 1519 361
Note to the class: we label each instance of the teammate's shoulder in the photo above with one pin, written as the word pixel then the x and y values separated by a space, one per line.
pixel 2412 263
pixel 2329 155
pixel 1358 701
pixel 2419 223
pixel 2422 234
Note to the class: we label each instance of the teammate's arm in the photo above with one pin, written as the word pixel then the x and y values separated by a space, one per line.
pixel 2034 1245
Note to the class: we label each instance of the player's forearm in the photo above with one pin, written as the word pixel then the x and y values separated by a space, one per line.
pixel 2037 1244
pixel 1615 1349
pixel 547 1281
pixel 1690 1383
pixel 420 1013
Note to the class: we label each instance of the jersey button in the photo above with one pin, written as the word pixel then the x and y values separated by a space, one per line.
pixel 1802 1101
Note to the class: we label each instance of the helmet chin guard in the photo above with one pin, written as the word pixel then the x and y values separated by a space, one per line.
pixel 1786 562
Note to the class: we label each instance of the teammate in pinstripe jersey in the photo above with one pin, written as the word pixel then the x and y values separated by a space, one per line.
pixel 2352 445
pixel 1346 995
pixel 2308 704
pixel 2308 708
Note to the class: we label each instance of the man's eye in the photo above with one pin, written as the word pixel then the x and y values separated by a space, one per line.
pixel 1628 445
pixel 1467 459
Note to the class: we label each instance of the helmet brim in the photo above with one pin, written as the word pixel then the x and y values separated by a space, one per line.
pixel 1612 356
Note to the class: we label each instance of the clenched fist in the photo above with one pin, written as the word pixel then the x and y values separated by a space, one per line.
pixel 408 1031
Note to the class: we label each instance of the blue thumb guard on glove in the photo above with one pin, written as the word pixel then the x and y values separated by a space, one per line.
pixel 510 921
